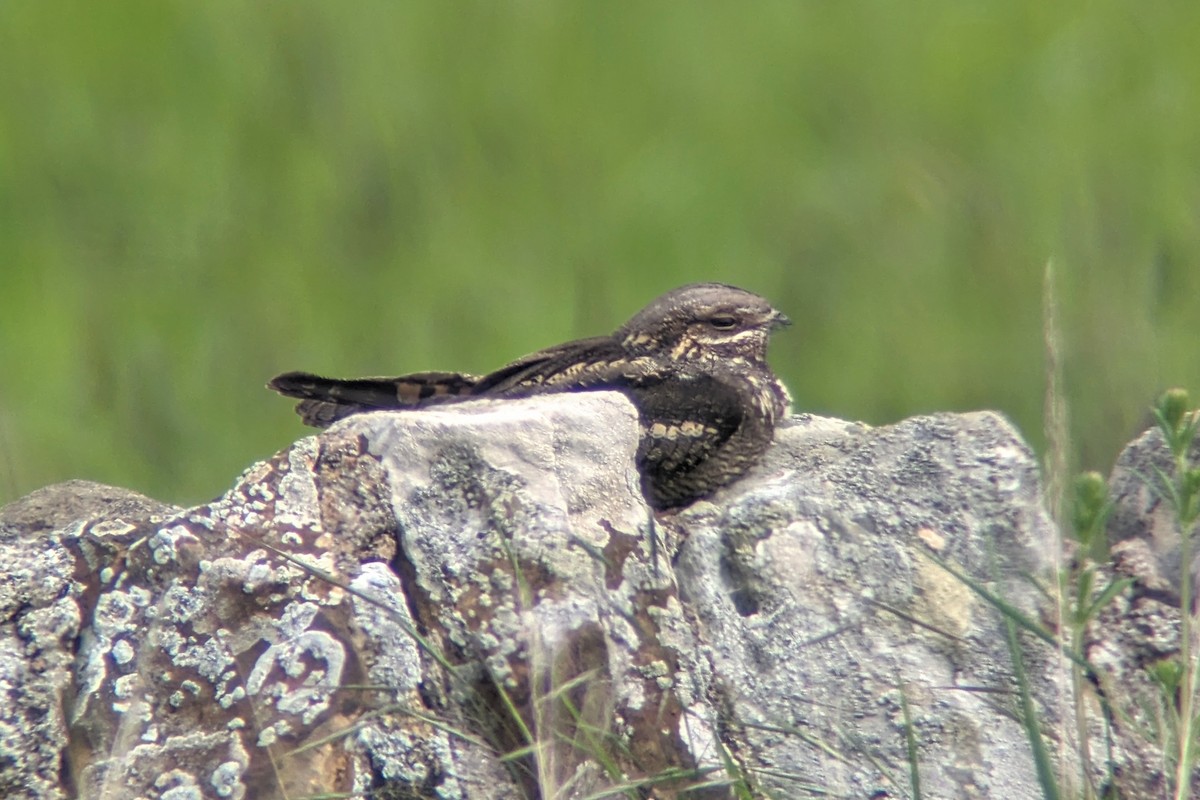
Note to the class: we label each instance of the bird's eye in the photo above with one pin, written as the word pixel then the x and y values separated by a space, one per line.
pixel 723 322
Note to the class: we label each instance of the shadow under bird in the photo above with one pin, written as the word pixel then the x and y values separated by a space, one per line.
pixel 693 362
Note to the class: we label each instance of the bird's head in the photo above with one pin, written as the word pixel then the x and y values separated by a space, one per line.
pixel 704 322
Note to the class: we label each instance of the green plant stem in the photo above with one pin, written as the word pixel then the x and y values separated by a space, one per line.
pixel 1183 767
pixel 1078 689
pixel 1029 717
pixel 910 742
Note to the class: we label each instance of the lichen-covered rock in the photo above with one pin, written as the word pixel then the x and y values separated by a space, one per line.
pixel 820 598
pixel 1140 630
pixel 1140 507
pixel 44 574
pixel 474 601
pixel 1137 630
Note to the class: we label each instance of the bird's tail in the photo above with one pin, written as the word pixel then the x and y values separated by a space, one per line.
pixel 326 400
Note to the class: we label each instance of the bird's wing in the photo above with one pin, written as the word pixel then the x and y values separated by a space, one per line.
pixel 685 419
pixel 584 364
pixel 692 414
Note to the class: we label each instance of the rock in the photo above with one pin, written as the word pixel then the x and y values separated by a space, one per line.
pixel 1140 630
pixel 1140 508
pixel 56 506
pixel 474 601
pixel 819 595
pixel 42 609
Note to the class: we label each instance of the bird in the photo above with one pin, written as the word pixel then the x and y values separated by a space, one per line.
pixel 693 362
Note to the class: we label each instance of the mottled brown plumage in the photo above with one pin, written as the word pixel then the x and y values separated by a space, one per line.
pixel 694 363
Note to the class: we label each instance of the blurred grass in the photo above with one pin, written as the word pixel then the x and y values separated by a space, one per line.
pixel 194 197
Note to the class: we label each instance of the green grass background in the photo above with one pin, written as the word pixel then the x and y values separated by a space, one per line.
pixel 196 196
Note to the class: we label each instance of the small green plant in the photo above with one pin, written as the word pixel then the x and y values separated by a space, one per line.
pixel 1081 601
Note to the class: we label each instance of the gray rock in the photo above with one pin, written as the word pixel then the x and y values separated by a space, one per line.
pixel 475 602
pixel 1141 628
pixel 1140 508
pixel 56 506
pixel 819 604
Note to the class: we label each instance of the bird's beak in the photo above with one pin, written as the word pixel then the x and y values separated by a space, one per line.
pixel 779 320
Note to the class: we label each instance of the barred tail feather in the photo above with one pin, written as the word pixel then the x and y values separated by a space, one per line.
pixel 326 400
